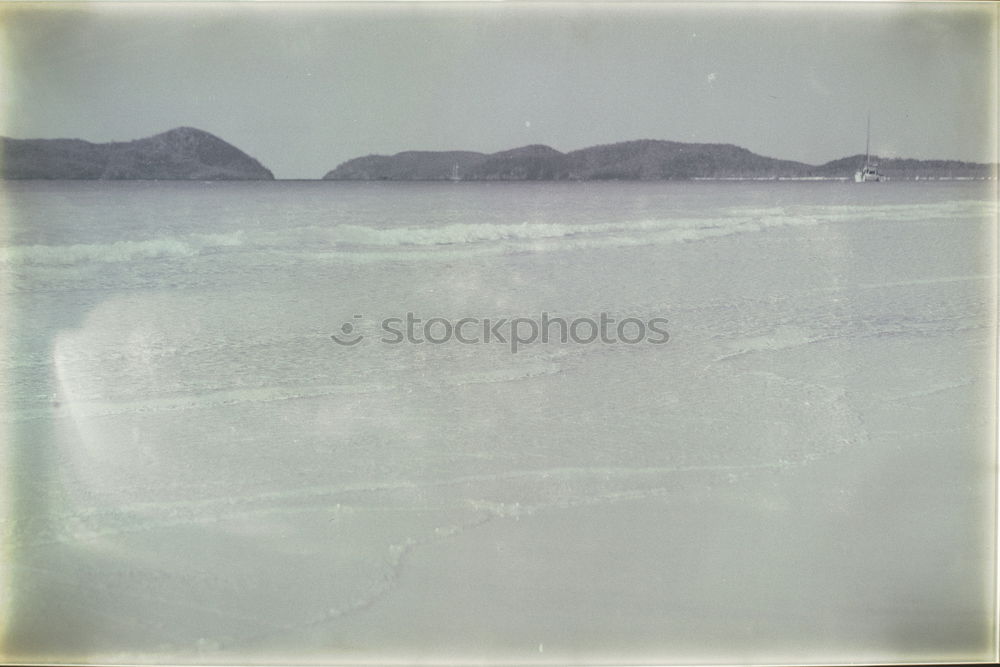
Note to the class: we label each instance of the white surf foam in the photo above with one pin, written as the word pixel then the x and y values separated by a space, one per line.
pixel 118 251
pixel 683 228
pixel 476 237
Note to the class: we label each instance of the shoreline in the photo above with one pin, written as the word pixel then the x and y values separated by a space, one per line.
pixel 739 578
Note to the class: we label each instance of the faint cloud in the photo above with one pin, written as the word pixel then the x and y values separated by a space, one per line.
pixel 711 77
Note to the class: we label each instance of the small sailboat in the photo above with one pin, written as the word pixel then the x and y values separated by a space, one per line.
pixel 455 174
pixel 869 171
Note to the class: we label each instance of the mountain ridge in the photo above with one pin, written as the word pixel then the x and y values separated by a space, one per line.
pixel 187 153
pixel 641 159
pixel 182 153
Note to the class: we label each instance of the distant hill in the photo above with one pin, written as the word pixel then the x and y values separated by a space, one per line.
pixel 630 160
pixel 902 169
pixel 528 163
pixel 408 166
pixel 184 153
pixel 672 160
pixel 646 160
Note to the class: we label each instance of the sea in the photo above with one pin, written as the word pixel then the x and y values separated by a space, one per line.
pixel 536 423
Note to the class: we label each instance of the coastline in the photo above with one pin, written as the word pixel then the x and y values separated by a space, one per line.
pixel 785 564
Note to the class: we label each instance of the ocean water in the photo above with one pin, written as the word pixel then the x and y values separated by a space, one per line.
pixel 195 470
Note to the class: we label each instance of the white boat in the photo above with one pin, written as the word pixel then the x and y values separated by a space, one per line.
pixel 869 171
pixel 455 175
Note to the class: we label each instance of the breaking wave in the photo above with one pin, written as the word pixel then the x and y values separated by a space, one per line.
pixel 341 239
pixel 454 234
pixel 118 251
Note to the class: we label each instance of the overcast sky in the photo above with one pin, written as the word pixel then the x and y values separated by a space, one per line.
pixel 305 87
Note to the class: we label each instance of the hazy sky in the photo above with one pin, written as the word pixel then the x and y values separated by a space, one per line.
pixel 305 87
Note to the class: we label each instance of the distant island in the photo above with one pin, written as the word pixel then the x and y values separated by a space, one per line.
pixel 184 153
pixel 643 160
pixel 187 153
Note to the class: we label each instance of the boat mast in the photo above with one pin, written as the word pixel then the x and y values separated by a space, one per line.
pixel 868 139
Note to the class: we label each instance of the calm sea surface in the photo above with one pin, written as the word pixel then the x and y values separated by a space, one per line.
pixel 798 468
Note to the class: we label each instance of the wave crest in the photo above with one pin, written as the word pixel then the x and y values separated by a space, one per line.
pixel 118 251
